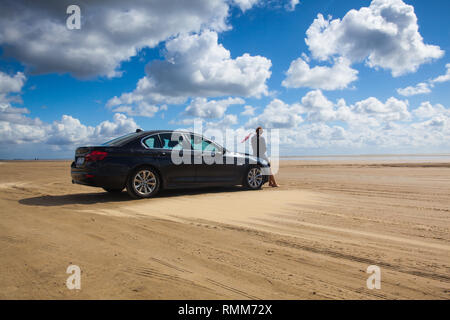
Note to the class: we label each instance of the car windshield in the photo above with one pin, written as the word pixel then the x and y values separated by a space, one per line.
pixel 119 141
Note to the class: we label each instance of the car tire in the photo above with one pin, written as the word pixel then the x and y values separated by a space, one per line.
pixel 253 179
pixel 109 190
pixel 143 183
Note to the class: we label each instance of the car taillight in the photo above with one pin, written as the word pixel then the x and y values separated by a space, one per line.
pixel 95 156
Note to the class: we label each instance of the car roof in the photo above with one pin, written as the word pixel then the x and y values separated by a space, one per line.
pixel 146 133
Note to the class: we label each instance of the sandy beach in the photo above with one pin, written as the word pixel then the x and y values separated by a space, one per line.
pixel 311 239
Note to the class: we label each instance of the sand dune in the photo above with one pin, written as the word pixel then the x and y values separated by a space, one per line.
pixel 311 239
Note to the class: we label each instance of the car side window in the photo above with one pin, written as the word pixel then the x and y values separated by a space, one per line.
pixel 174 141
pixel 196 142
pixel 152 142
pixel 200 143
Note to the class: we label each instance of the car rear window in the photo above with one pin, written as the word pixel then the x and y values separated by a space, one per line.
pixel 152 142
pixel 121 140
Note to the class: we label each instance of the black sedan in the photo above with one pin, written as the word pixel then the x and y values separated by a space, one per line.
pixel 145 162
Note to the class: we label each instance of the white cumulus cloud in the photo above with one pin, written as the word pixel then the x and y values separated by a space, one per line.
pixel 244 5
pixel 212 109
pixel 420 88
pixel 338 76
pixel 276 115
pixel 392 110
pixel 315 107
pixel 384 35
pixel 427 110
pixel 11 84
pixel 196 65
pixel 248 111
pixel 17 127
pixel 292 4
pixel 425 87
pixel 35 32
pixel 443 78
pixel 142 109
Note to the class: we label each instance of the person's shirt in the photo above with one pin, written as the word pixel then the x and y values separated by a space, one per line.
pixel 262 146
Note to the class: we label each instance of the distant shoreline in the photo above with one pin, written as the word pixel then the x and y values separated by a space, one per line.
pixel 378 157
pixel 444 157
pixel 371 155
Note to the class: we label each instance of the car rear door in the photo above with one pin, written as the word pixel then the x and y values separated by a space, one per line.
pixel 175 157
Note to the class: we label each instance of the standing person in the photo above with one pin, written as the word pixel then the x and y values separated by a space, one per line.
pixel 262 152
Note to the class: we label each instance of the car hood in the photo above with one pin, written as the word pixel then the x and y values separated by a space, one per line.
pixel 246 156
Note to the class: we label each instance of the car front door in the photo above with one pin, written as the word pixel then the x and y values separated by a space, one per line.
pixel 211 164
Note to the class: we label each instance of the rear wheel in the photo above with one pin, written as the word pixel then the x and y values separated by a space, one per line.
pixel 113 190
pixel 143 183
pixel 254 179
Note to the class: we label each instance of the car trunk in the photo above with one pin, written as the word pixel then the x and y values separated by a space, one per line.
pixel 82 152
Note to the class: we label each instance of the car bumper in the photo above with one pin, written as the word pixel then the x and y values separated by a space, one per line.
pixel 94 177
pixel 87 178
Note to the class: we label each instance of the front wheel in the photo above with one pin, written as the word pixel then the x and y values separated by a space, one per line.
pixel 254 179
pixel 143 183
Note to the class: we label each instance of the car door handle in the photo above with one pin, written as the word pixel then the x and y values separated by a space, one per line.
pixel 163 154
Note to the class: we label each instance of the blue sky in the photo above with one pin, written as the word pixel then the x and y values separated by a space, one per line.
pixel 346 92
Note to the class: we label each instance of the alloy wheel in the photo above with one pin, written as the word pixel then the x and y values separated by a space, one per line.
pixel 144 182
pixel 254 178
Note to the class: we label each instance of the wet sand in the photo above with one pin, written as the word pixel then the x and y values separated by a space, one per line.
pixel 311 239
